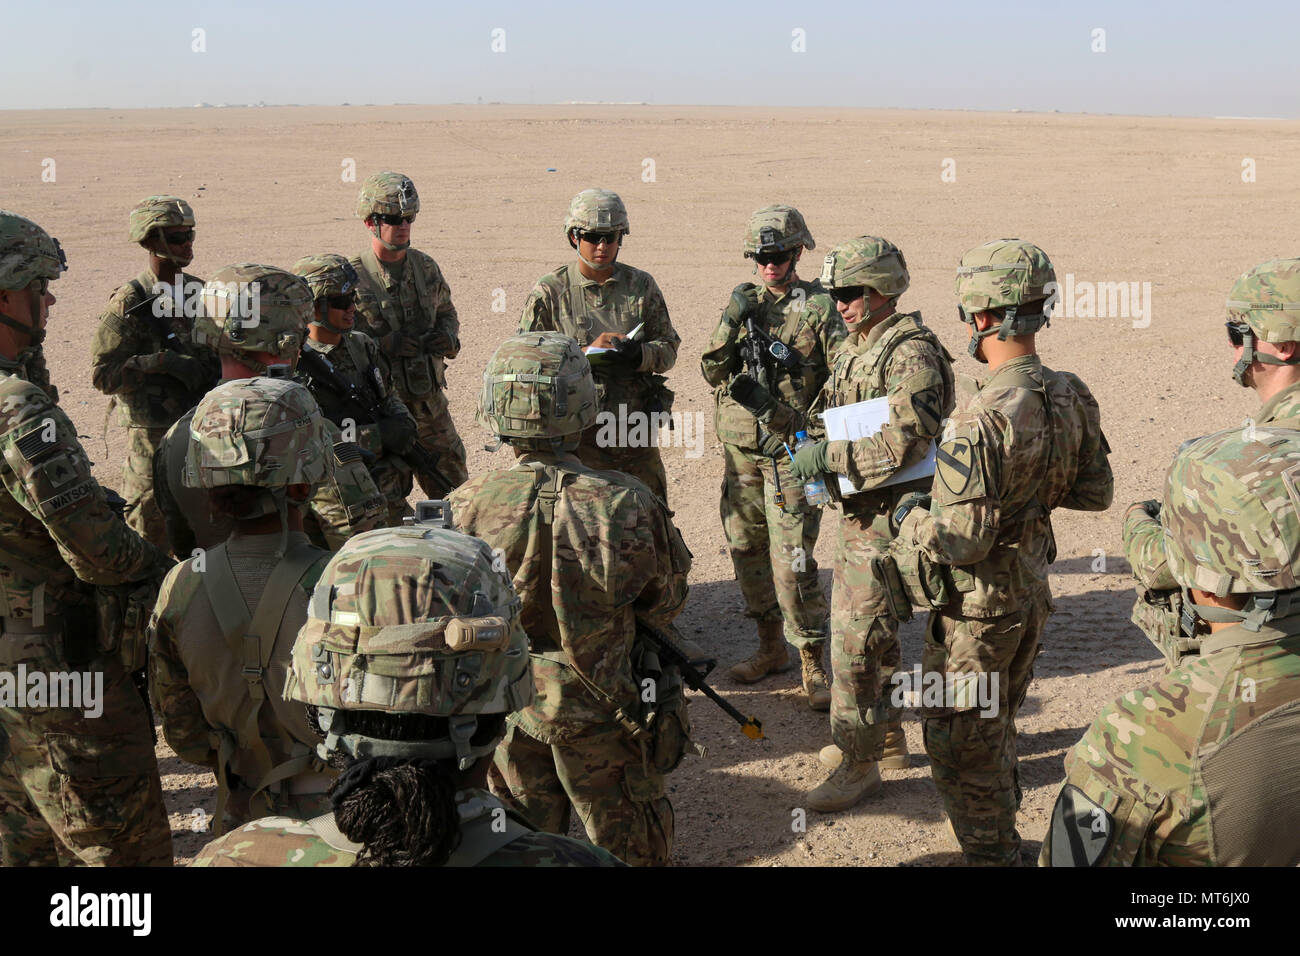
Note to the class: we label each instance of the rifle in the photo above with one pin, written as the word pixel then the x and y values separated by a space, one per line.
pixel 320 369
pixel 161 328
pixel 670 653
pixel 761 352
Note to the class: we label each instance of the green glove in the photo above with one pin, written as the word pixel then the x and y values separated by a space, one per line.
pixel 811 461
pixel 741 304
pixel 755 399
pixel 771 446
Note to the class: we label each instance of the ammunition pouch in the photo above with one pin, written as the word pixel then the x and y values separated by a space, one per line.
pixel 928 585
pixel 1159 615
pixel 122 616
pixel 665 715
pixel 897 600
pixel 82 642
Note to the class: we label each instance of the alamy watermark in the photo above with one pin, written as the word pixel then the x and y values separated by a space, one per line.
pixel 1082 299
pixel 66 690
pixel 634 429
pixel 958 691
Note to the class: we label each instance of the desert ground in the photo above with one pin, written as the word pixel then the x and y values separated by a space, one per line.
pixel 1110 198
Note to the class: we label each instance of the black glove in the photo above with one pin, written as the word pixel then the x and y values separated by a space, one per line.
pixel 772 446
pixel 183 367
pixel 913 499
pixel 400 345
pixel 756 399
pixel 628 353
pixel 437 342
pixel 397 432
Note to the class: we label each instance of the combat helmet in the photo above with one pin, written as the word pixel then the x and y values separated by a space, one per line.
pixel 1231 524
pixel 1264 304
pixel 160 212
pixel 328 275
pixel 538 391
pixel 30 258
pixel 1009 274
pixel 388 194
pixel 596 210
pixel 776 229
pixel 254 308
pixel 870 262
pixel 412 620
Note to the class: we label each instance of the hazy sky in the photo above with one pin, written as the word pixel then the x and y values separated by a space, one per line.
pixel 1189 58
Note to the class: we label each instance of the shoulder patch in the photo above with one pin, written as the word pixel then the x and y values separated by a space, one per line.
pixel 35 443
pixel 927 404
pixel 956 464
pixel 346 452
pixel 1081 831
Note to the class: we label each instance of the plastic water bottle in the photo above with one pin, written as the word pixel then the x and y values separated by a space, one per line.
pixel 814 490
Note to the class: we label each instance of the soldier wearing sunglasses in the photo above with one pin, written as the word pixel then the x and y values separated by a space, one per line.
pixel 404 303
pixel 771 529
pixel 601 302
pixel 143 354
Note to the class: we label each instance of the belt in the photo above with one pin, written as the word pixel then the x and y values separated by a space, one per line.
pixel 53 624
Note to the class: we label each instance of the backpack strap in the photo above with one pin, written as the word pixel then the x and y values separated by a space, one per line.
pixel 252 640
pixel 325 827
pixel 478 839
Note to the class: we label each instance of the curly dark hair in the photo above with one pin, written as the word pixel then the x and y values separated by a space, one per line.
pixel 402 811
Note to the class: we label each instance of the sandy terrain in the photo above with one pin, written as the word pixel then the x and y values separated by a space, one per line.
pixel 1110 198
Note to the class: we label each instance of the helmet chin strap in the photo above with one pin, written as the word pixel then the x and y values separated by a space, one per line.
pixel 1250 356
pixel 390 246
pixel 322 311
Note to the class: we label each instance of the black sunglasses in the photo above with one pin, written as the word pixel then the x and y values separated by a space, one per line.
pixel 340 302
pixel 773 258
pixel 1235 332
pixel 178 238
pixel 596 238
pixel 850 293
pixel 395 220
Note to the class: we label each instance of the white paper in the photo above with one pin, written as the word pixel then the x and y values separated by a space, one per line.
pixel 861 419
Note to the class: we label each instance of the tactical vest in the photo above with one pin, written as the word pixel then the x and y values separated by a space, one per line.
pixel 159 399
pixel 358 369
pixel 735 424
pixel 250 640
pixel 419 375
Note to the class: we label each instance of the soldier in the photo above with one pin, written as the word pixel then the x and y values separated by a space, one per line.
pixel 404 303
pixel 411 658
pixel 223 628
pixel 78 779
pixel 1202 767
pixel 346 504
pixel 889 355
pixel 600 302
pixel 760 402
pixel 1264 333
pixel 609 722
pixel 144 356
pixel 352 380
pixel 1027 441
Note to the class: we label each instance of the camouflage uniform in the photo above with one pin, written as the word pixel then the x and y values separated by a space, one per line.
pixel 1262 303
pixel 769 540
pixel 73 789
pixel 150 366
pixel 1202 767
pixel 608 545
pixel 345 504
pixel 892 355
pixel 216 691
pixel 406 307
pixel 565 301
pixel 1026 442
pixel 360 366
pixel 417 621
pixel 280 841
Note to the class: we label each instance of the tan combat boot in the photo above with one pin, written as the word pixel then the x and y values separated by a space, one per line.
pixel 896 756
pixel 815 684
pixel 846 786
pixel 772 657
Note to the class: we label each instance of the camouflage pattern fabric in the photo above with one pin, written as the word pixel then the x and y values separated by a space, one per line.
pixel 1003 464
pixel 346 504
pixel 776 229
pixel 772 546
pixel 32 367
pixel 897 358
pixel 1171 774
pixel 628 298
pixel 152 382
pixel 156 212
pixel 357 359
pixel 281 841
pixel 201 696
pixel 411 299
pixel 615 554
pixel 71 788
pixel 602 776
